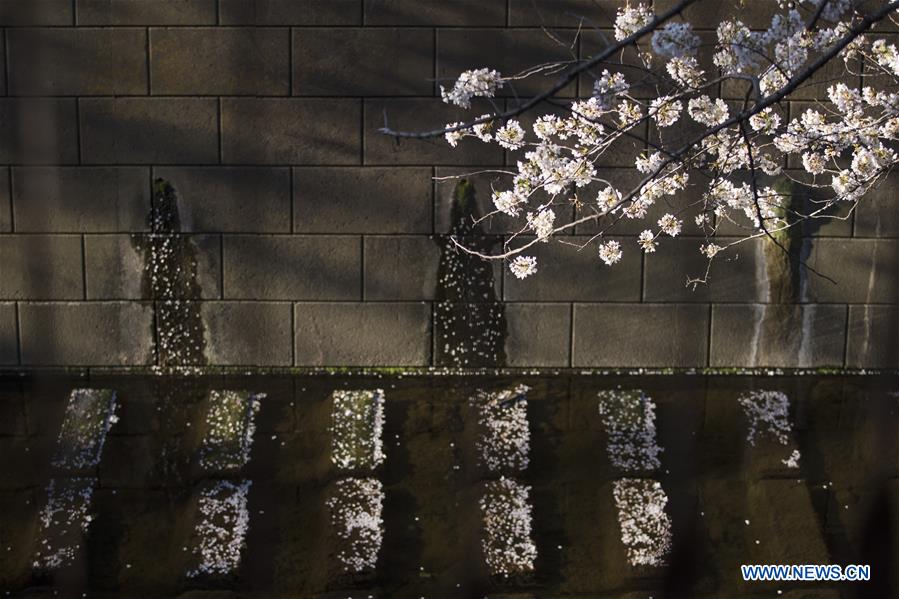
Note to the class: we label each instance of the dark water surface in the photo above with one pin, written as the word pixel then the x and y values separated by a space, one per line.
pixel 733 496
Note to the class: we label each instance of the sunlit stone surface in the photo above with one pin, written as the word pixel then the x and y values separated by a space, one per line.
pixel 645 527
pixel 504 443
pixel 220 534
pixel 507 543
pixel 89 415
pixel 503 446
pixel 355 507
pixel 629 418
pixel 222 516
pixel 65 518
pixel 357 425
pixel 229 436
pixel 64 522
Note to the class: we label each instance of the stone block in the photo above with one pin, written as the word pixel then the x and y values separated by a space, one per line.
pixel 401 267
pixel 364 62
pixel 81 200
pixel 562 13
pixel 81 334
pixel 873 337
pixel 538 335
pixel 861 271
pixel 640 335
pixel 567 273
pixel 290 12
pixel 362 200
pixel 362 334
pixel 83 61
pixel 448 13
pixel 231 199
pixel 291 131
pixel 232 61
pixel 16 13
pixel 877 214
pixel 9 335
pixel 149 130
pixel 753 15
pixel 296 267
pixel 42 267
pixel 247 333
pixel 115 266
pixel 5 202
pixel 141 12
pixel 38 131
pixel 737 275
pixel 776 335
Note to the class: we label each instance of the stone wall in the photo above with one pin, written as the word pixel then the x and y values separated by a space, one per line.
pixel 310 239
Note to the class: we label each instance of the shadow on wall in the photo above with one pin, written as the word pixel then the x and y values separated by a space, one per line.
pixel 170 280
pixel 469 320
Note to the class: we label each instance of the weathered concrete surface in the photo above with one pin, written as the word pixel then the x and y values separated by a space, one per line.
pixel 263 115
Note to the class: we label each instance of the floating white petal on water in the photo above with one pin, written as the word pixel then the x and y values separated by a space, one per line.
pixel 507 542
pixel 89 415
pixel 357 425
pixel 63 522
pixel 629 418
pixel 221 530
pixel 504 443
pixel 645 527
pixel 230 428
pixel 768 413
pixel 356 506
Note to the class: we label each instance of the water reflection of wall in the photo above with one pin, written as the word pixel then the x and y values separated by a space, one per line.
pixel 503 447
pixel 65 519
pixel 629 420
pixel 356 501
pixel 223 517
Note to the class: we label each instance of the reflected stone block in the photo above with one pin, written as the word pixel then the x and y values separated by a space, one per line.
pixel 63 522
pixel 357 426
pixel 89 415
pixel 645 527
pixel 507 542
pixel 504 441
pixel 355 508
pixel 768 413
pixel 629 418
pixel 230 428
pixel 220 534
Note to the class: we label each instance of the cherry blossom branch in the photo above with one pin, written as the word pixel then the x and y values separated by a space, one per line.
pixel 563 82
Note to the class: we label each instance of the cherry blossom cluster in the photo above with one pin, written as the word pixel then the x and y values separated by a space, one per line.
pixel 221 530
pixel 507 542
pixel 230 429
pixel 355 508
pixel 629 418
pixel 63 521
pixel 357 427
pixel 731 170
pixel 645 527
pixel 88 417
pixel 505 440
pixel 768 413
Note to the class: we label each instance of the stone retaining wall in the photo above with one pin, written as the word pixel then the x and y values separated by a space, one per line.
pixel 316 240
